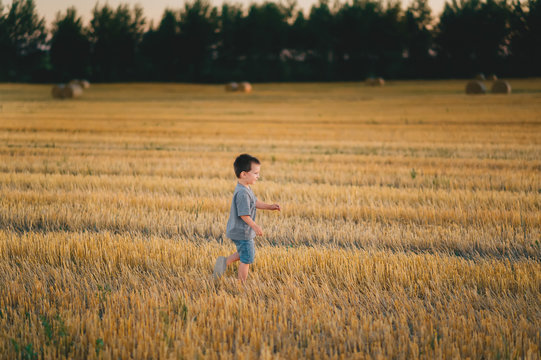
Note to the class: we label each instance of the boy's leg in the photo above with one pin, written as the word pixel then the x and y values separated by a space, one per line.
pixel 243 271
pixel 232 258
pixel 222 262
pixel 219 267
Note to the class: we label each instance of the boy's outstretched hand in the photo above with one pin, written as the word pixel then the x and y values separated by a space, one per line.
pixel 275 207
pixel 263 206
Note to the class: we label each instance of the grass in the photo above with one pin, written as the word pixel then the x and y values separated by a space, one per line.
pixel 410 228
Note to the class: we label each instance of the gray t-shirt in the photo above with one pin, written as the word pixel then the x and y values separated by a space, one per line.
pixel 243 204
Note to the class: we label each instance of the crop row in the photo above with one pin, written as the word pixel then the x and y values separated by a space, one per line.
pixel 81 295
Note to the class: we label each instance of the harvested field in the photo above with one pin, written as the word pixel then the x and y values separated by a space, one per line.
pixel 410 223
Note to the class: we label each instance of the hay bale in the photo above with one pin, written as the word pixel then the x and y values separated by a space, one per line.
pixel 232 86
pixel 58 91
pixel 72 91
pixel 475 87
pixel 501 87
pixel 480 77
pixel 492 77
pixel 375 81
pixel 82 83
pixel 245 87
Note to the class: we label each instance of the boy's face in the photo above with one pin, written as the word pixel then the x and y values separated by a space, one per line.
pixel 251 176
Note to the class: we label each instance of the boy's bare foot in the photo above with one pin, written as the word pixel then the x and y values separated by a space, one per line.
pixel 219 267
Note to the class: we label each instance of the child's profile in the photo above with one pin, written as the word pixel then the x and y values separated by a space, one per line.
pixel 241 226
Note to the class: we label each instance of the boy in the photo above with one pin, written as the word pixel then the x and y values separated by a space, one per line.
pixel 241 227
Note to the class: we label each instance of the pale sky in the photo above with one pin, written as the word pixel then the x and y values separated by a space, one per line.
pixel 153 9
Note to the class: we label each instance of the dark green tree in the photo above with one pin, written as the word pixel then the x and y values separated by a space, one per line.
pixel 70 47
pixel 370 39
pixel 298 33
pixel 198 27
pixel 273 41
pixel 472 35
pixel 265 37
pixel 525 39
pixel 22 39
pixel 419 41
pixel 320 41
pixel 297 44
pixel 229 43
pixel 392 41
pixel 115 37
pixel 162 48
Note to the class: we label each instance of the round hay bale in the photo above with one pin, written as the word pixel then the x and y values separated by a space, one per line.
pixel 82 83
pixel 475 87
pixel 72 91
pixel 501 87
pixel 232 86
pixel 492 77
pixel 375 81
pixel 480 77
pixel 58 91
pixel 245 87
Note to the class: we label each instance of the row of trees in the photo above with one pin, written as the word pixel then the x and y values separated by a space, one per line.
pixel 273 42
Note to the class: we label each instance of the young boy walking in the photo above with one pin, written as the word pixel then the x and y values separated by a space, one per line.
pixel 241 227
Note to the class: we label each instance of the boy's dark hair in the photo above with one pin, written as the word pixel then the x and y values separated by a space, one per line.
pixel 243 162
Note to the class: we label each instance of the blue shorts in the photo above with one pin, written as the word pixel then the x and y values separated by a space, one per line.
pixel 246 250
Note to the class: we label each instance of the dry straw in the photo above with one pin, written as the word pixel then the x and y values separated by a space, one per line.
pixel 475 87
pixel 109 233
pixel 501 87
pixel 492 77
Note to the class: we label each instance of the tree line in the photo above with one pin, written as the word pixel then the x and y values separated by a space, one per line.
pixel 273 42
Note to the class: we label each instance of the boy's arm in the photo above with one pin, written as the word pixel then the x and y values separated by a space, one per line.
pixel 261 205
pixel 248 220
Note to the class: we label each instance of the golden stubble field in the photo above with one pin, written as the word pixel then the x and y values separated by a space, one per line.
pixel 411 222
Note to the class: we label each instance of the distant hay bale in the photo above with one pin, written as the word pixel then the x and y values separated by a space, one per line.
pixel 375 81
pixel 58 91
pixel 501 87
pixel 245 87
pixel 82 83
pixel 72 91
pixel 480 77
pixel 475 87
pixel 492 77
pixel 232 86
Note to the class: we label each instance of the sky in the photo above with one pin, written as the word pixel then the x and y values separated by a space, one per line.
pixel 153 9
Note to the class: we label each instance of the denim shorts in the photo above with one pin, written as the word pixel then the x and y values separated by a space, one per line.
pixel 246 250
